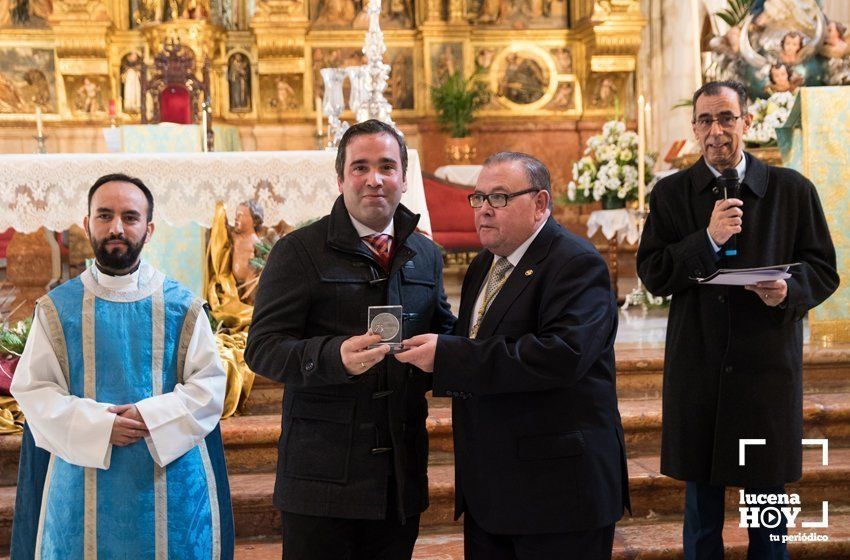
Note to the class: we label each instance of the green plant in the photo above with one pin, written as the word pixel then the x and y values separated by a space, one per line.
pixel 456 99
pixel 736 11
pixel 13 338
pixel 261 255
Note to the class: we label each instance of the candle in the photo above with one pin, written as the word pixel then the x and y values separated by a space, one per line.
pixel 204 146
pixel 111 108
pixel 650 139
pixel 38 123
pixel 641 153
pixel 319 128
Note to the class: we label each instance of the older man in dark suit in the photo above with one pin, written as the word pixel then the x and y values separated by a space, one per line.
pixel 539 451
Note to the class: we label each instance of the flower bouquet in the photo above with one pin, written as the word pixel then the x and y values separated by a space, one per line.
pixel 768 115
pixel 608 171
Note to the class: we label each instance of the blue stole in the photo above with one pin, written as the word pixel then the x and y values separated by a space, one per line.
pixel 122 347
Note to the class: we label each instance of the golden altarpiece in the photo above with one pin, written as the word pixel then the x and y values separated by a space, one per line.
pixel 74 59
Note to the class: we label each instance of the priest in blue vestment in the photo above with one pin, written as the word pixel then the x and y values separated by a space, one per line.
pixel 123 389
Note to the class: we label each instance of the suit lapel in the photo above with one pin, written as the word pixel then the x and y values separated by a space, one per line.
pixel 476 275
pixel 518 280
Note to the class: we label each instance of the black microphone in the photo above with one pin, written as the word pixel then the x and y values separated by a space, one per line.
pixel 729 185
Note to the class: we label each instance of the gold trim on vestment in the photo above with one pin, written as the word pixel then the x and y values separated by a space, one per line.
pixel 89 392
pixel 160 480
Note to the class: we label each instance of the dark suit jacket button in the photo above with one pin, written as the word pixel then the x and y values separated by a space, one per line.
pixel 729 369
pixel 721 299
pixel 309 365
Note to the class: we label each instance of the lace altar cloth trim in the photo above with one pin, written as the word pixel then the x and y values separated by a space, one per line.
pixel 51 190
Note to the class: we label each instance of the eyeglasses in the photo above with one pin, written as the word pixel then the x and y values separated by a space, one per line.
pixel 495 200
pixel 704 124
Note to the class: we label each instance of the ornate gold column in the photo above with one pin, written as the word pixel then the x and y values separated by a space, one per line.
pixel 280 27
pixel 80 27
pixel 456 12
pixel 610 32
pixel 435 12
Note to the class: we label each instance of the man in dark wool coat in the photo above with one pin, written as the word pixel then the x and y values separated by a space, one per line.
pixel 353 452
pixel 733 360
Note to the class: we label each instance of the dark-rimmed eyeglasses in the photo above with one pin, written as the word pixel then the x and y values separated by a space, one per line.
pixel 704 124
pixel 495 200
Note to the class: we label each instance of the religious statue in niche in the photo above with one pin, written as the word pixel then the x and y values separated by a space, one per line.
pixel 563 60
pixel 336 13
pixel 519 14
pixel 395 14
pixel 523 79
pixel 239 83
pixel 196 9
pixel 400 85
pixel 26 80
pixel 605 93
pixel 131 82
pixel 281 92
pixel 563 98
pixel 446 59
pixel 484 58
pixel 28 14
pixel 88 96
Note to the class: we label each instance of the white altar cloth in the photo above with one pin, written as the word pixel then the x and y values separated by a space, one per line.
pixel 295 186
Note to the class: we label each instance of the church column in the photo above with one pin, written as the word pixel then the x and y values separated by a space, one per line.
pixel 435 11
pixel 456 12
pixel 670 57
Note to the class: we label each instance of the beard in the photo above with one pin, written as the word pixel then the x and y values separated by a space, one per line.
pixel 116 258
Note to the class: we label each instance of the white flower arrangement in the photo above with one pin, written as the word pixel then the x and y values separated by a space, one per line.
pixel 608 171
pixel 768 115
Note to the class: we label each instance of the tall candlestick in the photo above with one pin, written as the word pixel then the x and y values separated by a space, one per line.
pixel 650 139
pixel 38 123
pixel 204 146
pixel 319 128
pixel 641 153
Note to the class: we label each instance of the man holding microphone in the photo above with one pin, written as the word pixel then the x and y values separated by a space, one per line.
pixel 733 359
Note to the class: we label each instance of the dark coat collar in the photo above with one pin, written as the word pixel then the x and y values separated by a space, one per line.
pixel 755 178
pixel 341 232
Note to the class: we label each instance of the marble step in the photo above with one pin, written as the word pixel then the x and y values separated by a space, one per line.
pixel 659 539
pixel 251 441
pixel 639 373
pixel 652 494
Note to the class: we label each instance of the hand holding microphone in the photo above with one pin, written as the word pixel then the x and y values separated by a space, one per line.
pixel 727 216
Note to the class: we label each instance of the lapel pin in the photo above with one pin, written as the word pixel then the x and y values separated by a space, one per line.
pixel 529 272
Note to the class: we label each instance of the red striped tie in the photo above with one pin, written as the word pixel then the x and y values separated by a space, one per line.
pixel 379 243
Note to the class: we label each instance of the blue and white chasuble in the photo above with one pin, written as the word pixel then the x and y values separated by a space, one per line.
pixel 123 347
